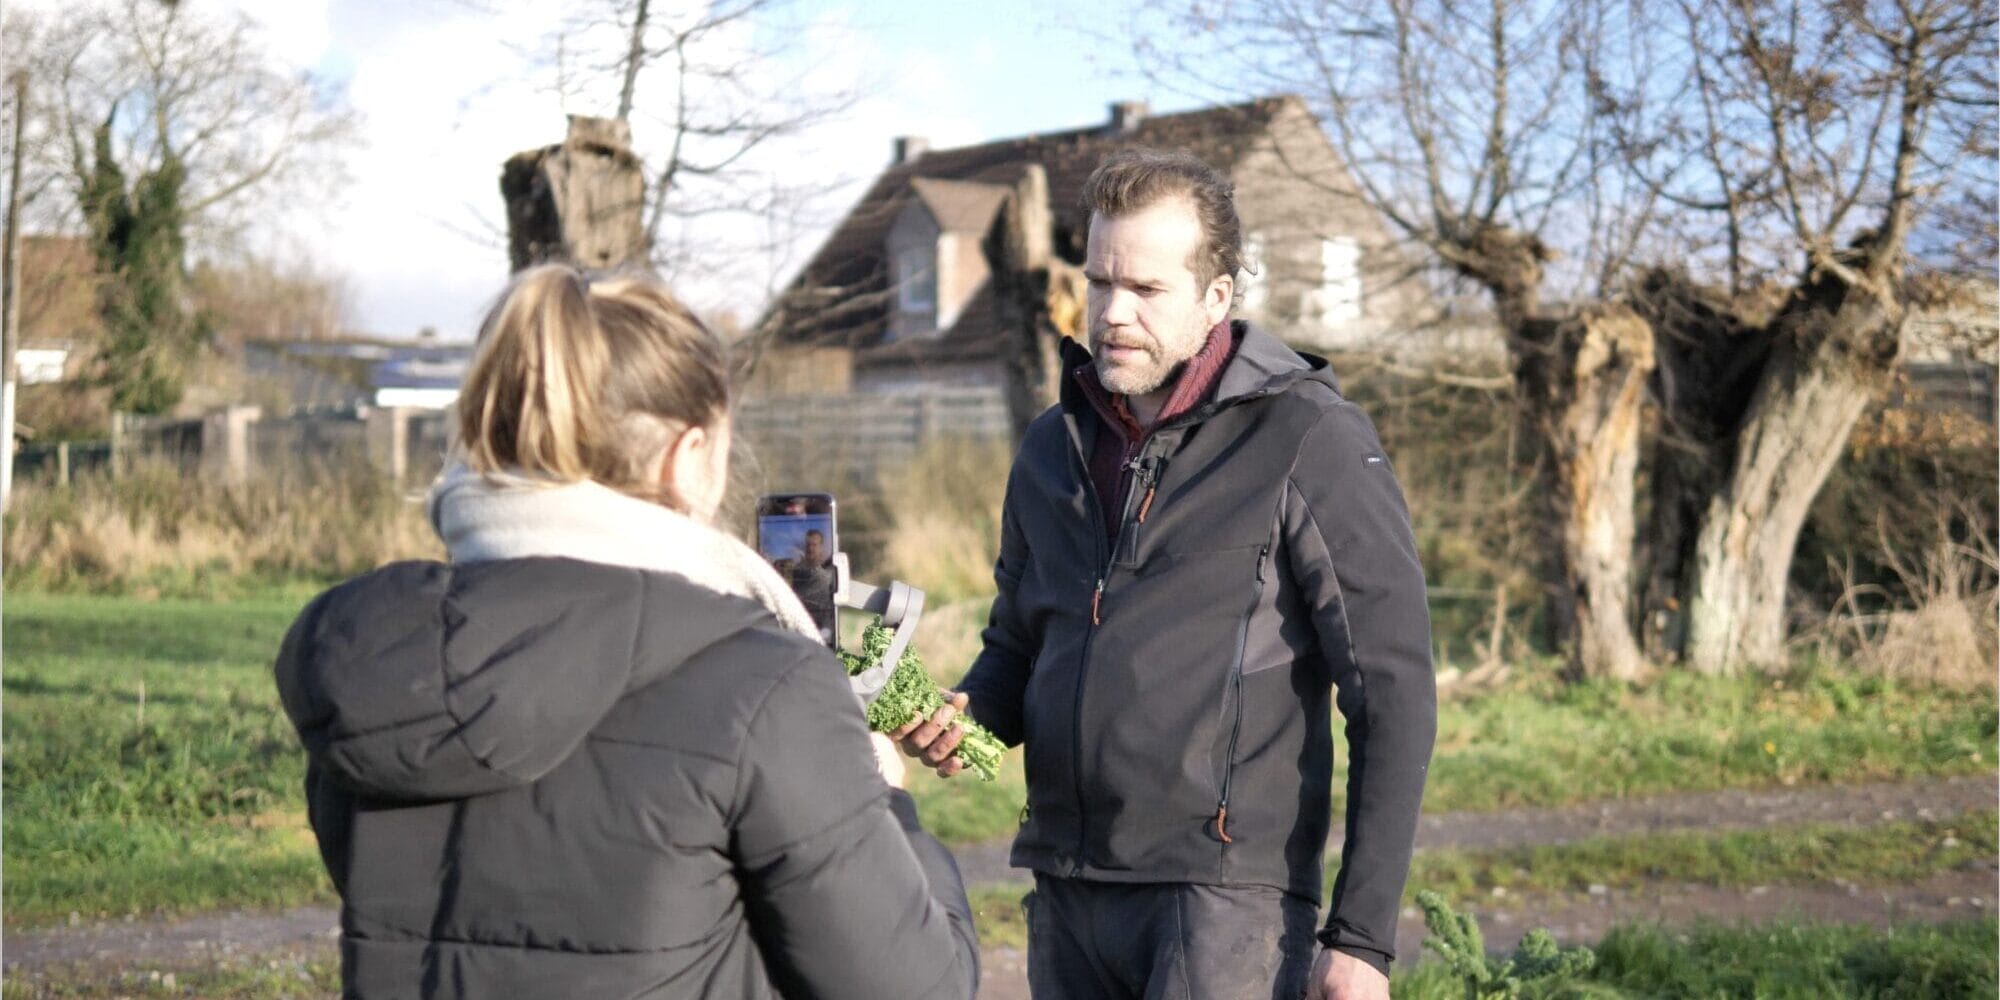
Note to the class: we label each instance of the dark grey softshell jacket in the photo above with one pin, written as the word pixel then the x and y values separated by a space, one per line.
pixel 1171 687
pixel 549 778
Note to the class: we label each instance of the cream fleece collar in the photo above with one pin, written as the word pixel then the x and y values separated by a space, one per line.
pixel 508 515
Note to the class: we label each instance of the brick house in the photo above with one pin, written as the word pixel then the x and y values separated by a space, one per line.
pixel 60 326
pixel 903 283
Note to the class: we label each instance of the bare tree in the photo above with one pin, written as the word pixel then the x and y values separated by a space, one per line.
pixel 1723 192
pixel 1469 129
pixel 167 129
pixel 1829 130
pixel 712 92
pixel 273 297
pixel 177 85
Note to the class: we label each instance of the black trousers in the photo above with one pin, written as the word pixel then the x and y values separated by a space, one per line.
pixel 1169 941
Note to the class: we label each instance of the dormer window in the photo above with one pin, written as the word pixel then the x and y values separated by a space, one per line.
pixel 916 279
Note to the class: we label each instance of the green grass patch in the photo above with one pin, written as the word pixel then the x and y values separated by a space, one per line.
pixel 997 913
pixel 1801 961
pixel 1541 743
pixel 1538 743
pixel 965 810
pixel 251 978
pixel 1889 852
pixel 1786 961
pixel 147 765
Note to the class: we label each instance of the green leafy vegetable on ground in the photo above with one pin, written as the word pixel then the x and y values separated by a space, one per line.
pixel 911 694
pixel 1538 968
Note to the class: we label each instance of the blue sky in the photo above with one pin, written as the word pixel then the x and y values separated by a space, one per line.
pixel 446 91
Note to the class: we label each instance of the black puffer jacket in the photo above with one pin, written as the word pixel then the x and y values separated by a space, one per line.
pixel 551 778
pixel 1171 687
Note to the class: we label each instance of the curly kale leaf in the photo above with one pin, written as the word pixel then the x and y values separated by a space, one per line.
pixel 911 694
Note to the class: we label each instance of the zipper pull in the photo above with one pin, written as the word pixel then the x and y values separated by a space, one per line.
pixel 1096 600
pixel 1148 473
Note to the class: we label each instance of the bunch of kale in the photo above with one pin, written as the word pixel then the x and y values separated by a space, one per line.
pixel 911 694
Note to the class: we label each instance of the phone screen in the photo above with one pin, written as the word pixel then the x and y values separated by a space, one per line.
pixel 795 534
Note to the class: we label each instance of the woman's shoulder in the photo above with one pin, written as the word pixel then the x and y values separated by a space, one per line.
pixel 712 661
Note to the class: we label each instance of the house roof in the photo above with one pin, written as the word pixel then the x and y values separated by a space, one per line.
pixel 839 296
pixel 959 206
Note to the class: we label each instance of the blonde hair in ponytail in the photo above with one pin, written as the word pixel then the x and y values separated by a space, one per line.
pixel 576 379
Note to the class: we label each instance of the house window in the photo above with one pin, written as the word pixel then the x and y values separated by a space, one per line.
pixel 40 365
pixel 1339 292
pixel 1256 280
pixel 916 280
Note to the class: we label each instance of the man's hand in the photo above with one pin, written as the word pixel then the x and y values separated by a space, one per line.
pixel 1336 975
pixel 932 740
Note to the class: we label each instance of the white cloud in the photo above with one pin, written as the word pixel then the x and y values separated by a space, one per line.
pixel 297 31
pixel 443 104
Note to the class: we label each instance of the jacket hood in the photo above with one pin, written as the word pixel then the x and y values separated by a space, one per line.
pixel 1260 365
pixel 427 681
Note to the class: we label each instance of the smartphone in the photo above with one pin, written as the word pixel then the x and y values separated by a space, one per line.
pixel 796 534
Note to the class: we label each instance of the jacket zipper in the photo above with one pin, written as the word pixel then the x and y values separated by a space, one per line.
pixel 1236 729
pixel 1083 661
pixel 1146 470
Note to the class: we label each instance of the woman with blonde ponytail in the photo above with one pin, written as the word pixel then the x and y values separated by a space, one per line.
pixel 600 752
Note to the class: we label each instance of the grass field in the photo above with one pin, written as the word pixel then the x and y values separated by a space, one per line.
pixel 147 765
pixel 1771 962
pixel 1540 743
pixel 148 769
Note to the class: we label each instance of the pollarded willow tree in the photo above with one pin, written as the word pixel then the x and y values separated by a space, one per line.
pixel 1707 206
pixel 1825 134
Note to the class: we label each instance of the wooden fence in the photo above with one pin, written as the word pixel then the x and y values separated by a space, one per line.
pixel 851 438
pixel 855 437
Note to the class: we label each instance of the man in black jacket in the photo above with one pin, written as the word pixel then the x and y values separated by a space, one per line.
pixel 1199 545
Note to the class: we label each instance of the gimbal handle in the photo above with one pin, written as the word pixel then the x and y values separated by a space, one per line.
pixel 899 605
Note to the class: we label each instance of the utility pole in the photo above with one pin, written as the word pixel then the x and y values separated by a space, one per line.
pixel 10 296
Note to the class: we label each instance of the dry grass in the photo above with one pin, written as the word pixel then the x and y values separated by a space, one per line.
pixel 943 531
pixel 948 637
pixel 1946 631
pixel 156 530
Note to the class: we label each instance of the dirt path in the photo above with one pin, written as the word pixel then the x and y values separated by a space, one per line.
pixel 53 955
pixel 1709 811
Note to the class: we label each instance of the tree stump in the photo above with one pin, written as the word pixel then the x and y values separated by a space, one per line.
pixel 581 202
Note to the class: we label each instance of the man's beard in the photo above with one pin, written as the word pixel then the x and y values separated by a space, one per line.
pixel 1155 372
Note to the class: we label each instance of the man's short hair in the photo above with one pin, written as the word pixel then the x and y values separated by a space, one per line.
pixel 815 533
pixel 1133 180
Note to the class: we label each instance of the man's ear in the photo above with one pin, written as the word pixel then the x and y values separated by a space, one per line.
pixel 1216 300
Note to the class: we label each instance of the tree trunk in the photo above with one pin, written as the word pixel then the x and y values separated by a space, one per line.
pixel 1837 346
pixel 1711 350
pixel 1583 389
pixel 581 202
pixel 1030 284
